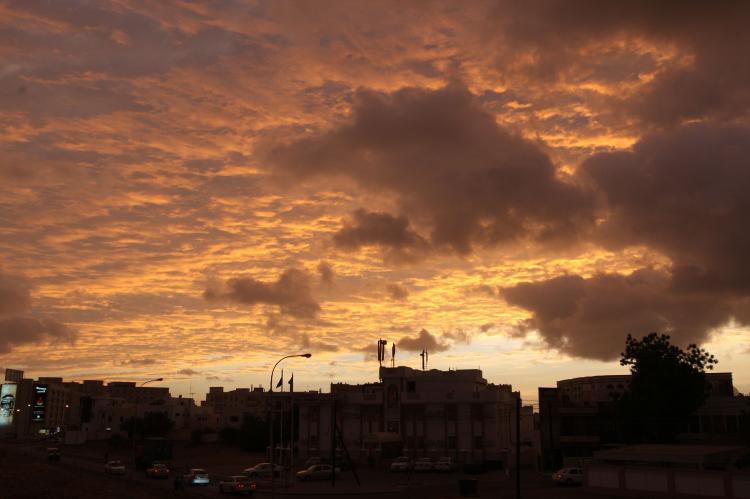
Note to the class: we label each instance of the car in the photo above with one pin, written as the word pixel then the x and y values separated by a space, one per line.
pixel 444 464
pixel 196 476
pixel 423 464
pixel 238 484
pixel 114 468
pixel 316 472
pixel 401 464
pixel 263 470
pixel 568 476
pixel 157 470
pixel 311 461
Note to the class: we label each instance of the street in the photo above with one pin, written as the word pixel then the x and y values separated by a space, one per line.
pixel 28 474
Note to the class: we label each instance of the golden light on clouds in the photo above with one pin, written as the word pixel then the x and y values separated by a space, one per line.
pixel 499 174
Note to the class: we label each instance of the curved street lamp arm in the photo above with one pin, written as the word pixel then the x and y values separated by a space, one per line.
pixel 270 386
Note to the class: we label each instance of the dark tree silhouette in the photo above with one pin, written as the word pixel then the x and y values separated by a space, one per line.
pixel 668 384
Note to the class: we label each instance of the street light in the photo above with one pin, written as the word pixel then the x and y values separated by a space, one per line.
pixel 270 420
pixel 137 399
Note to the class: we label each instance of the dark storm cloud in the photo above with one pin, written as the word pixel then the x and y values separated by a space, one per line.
pixel 397 292
pixel 15 294
pixel 17 326
pixel 450 166
pixel 393 235
pixel 292 293
pixel 15 331
pixel 423 341
pixel 684 193
pixel 545 40
pixel 591 317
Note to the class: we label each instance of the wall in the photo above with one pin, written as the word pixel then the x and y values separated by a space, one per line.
pixel 667 482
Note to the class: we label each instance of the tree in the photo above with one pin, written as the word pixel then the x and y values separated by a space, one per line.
pixel 668 384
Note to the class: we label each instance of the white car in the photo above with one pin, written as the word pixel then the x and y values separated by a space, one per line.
pixel 423 464
pixel 444 464
pixel 401 464
pixel 263 470
pixel 114 468
pixel 197 476
pixel 316 472
pixel 568 476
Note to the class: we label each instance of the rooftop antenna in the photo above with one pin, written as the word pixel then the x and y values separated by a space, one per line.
pixel 381 351
pixel 424 356
pixel 393 355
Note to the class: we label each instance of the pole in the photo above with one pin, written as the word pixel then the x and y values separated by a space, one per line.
pixel 518 446
pixel 333 441
pixel 281 430
pixel 137 400
pixel 291 436
pixel 270 421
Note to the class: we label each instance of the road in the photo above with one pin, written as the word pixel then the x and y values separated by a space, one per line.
pixel 27 474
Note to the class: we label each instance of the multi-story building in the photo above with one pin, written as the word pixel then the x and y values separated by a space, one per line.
pixel 233 406
pixel 431 413
pixel 577 417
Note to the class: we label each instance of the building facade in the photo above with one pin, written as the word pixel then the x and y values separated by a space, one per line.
pixel 577 417
pixel 433 413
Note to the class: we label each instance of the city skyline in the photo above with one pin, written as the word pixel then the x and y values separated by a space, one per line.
pixel 192 192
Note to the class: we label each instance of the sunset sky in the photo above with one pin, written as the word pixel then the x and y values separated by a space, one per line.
pixel 194 189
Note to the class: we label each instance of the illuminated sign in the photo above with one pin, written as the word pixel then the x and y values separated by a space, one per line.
pixel 39 407
pixel 7 403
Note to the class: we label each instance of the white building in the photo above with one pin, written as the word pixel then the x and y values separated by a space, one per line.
pixel 431 413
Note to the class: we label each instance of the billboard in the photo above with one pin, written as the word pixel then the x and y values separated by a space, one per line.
pixel 7 403
pixel 39 408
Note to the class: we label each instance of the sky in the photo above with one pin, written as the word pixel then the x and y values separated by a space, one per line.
pixel 192 190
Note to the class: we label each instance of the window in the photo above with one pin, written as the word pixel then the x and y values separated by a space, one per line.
pixel 411 386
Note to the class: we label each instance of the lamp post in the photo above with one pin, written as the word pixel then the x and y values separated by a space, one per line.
pixel 270 420
pixel 135 415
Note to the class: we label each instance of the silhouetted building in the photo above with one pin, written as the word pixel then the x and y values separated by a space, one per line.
pixel 233 406
pixel 577 417
pixel 433 413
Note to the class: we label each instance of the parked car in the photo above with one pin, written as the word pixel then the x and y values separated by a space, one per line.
pixel 423 464
pixel 263 470
pixel 568 476
pixel 157 470
pixel 114 468
pixel 196 476
pixel 444 464
pixel 401 464
pixel 238 484
pixel 53 453
pixel 312 461
pixel 316 472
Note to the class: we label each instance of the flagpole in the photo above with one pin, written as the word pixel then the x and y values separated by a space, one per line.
pixel 291 428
